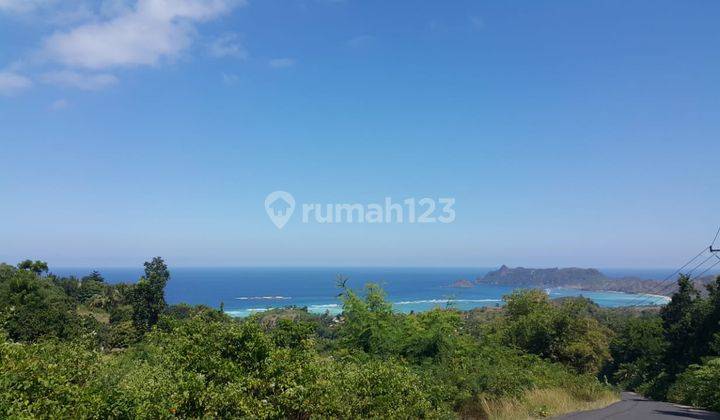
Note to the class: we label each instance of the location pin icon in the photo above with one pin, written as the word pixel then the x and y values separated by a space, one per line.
pixel 279 205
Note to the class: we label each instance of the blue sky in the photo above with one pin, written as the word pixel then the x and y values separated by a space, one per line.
pixel 569 133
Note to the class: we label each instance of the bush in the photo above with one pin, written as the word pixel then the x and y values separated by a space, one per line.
pixel 32 308
pixel 699 385
pixel 563 333
pixel 46 379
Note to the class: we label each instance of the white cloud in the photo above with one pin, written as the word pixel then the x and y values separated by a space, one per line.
pixel 68 78
pixel 278 63
pixel 151 31
pixel 227 45
pixel 59 105
pixel 91 37
pixel 11 83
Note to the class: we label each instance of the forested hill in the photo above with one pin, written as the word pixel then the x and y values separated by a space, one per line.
pixel 577 278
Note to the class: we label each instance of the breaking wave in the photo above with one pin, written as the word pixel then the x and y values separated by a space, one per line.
pixel 263 298
pixel 413 302
pixel 327 306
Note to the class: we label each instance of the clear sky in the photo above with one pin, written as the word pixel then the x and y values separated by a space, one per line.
pixel 569 133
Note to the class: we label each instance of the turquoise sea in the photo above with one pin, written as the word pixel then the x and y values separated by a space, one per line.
pixel 247 290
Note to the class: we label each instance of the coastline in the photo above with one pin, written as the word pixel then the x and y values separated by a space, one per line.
pixel 606 298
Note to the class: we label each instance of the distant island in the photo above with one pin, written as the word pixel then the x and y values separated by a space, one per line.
pixel 589 279
pixel 463 284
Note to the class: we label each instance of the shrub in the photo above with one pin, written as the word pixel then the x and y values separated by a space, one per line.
pixel 46 379
pixel 699 385
pixel 32 308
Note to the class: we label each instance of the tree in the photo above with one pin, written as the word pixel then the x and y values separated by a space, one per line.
pixel 6 271
pixel 369 324
pixel 157 272
pixel 530 326
pixel 709 334
pixel 699 385
pixel 148 295
pixel 38 267
pixel 563 333
pixel 94 276
pixel 637 352
pixel 32 308
pixel 91 287
pixel 527 301
pixel 680 322
pixel 581 341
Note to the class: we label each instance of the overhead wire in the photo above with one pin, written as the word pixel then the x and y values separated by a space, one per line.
pixel 663 286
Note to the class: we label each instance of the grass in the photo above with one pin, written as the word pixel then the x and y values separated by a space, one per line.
pixel 540 403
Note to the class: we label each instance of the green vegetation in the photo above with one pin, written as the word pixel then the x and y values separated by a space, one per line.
pixel 699 385
pixel 83 348
pixel 560 332
pixel 674 354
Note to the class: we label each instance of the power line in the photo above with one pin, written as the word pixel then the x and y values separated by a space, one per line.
pixel 664 289
pixel 641 301
pixel 657 288
pixel 699 276
pixel 689 273
pixel 715 239
pixel 661 289
pixel 709 268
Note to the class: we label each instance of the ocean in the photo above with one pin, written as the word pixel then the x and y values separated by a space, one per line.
pixel 244 291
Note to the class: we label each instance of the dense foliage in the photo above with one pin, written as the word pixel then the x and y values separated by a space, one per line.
pixel 83 348
pixel 674 354
pixel 559 332
pixel 699 385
